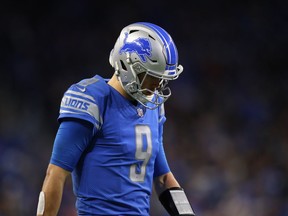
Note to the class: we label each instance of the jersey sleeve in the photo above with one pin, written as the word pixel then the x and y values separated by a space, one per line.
pixel 84 100
pixel 161 164
pixel 72 138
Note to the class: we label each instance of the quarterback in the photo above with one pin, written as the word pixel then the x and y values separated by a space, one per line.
pixel 110 135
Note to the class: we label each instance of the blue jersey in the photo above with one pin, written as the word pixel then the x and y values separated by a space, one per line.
pixel 114 173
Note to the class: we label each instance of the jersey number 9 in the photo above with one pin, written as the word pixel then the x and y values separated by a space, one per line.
pixel 142 132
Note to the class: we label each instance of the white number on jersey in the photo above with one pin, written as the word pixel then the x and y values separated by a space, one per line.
pixel 142 132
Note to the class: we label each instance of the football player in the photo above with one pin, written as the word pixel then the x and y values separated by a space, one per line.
pixel 110 134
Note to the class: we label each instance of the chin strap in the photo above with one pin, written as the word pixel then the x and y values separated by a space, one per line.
pixel 175 202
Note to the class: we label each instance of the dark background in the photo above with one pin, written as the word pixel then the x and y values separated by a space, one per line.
pixel 226 136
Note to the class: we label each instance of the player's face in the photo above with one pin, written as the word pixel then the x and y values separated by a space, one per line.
pixel 149 82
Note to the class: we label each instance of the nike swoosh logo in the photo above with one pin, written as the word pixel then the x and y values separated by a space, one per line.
pixel 81 88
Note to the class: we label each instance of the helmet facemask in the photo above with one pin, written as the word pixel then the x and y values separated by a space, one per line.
pixel 153 96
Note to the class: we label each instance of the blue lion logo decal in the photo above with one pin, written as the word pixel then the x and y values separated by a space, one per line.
pixel 141 46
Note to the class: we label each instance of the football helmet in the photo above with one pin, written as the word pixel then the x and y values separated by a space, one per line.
pixel 144 47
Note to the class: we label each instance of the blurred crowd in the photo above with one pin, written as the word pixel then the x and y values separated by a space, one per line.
pixel 226 135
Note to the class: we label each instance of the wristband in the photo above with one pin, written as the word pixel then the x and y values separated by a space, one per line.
pixel 175 202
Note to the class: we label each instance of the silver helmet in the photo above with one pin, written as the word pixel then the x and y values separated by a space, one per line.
pixel 145 48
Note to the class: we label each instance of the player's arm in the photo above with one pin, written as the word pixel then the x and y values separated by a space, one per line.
pixel 51 195
pixel 165 181
pixel 170 193
pixel 172 196
pixel 72 138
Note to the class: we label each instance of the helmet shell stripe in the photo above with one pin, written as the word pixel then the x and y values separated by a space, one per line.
pixel 171 50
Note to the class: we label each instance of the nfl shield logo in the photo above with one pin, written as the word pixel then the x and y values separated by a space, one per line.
pixel 140 112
